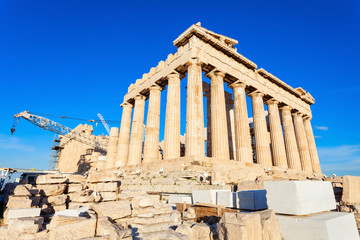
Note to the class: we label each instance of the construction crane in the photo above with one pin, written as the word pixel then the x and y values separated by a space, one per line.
pixel 104 123
pixel 55 127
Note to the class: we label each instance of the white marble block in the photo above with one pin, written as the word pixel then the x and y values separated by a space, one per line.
pixel 24 212
pixel 178 198
pixel 226 198
pixel 251 200
pixel 299 197
pixel 206 196
pixel 320 226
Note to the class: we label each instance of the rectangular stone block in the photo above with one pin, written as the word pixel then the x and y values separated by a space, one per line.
pixel 206 196
pixel 351 189
pixel 178 198
pixel 226 198
pixel 22 213
pixel 103 187
pixel 299 197
pixel 251 200
pixel 321 226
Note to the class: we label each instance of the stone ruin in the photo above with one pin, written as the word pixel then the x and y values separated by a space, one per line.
pixel 255 179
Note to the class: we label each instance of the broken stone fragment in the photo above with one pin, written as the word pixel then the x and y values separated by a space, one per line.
pixel 106 176
pixel 113 210
pixel 82 196
pixel 76 178
pixel 107 196
pixel 56 200
pixel 75 187
pixel 50 179
pixel 51 190
pixel 145 201
pixel 26 225
pixel 21 190
pixel 104 187
pixel 270 225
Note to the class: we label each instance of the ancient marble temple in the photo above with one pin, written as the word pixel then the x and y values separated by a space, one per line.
pixel 281 137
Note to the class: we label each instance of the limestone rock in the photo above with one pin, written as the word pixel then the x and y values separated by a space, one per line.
pixel 270 225
pixel 113 210
pixel 26 225
pixel 104 187
pixel 50 179
pixel 107 196
pixel 351 189
pixel 51 190
pixel 21 190
pixel 56 200
pixel 74 230
pixel 189 214
pixel 130 194
pixel 75 187
pixel 168 234
pixel 106 176
pixel 144 201
pixel 240 226
pixel 60 220
pixel 76 178
pixel 201 231
pixel 82 196
pixel 19 202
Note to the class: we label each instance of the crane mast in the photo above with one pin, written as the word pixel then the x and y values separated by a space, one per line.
pixel 58 128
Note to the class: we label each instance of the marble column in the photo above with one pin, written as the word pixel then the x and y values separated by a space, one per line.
pixel 312 146
pixel 262 144
pixel 112 148
pixel 276 135
pixel 137 131
pixel 151 146
pixel 207 94
pixel 302 143
pixel 292 152
pixel 194 142
pixel 242 129
pixel 172 118
pixel 124 135
pixel 219 128
pixel 229 103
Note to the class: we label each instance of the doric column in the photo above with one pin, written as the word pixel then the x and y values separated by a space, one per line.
pixel 172 118
pixel 219 131
pixel 276 135
pixel 112 148
pixel 262 144
pixel 302 143
pixel 207 94
pixel 151 146
pixel 242 129
pixel 124 135
pixel 194 111
pixel 137 131
pixel 229 103
pixel 292 152
pixel 312 146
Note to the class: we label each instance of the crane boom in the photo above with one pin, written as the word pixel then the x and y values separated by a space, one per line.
pixel 60 129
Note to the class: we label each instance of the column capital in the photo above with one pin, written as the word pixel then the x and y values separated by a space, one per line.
pixel 237 84
pixel 215 72
pixel 286 107
pixel 126 105
pixel 306 117
pixel 173 75
pixel 139 97
pixel 256 93
pixel 194 61
pixel 297 113
pixel 155 87
pixel 272 101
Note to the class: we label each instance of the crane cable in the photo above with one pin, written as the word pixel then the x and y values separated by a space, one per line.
pixel 81 119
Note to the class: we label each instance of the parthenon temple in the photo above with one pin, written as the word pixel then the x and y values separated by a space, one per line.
pixel 280 137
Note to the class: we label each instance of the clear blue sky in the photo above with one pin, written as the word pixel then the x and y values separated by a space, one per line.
pixel 77 59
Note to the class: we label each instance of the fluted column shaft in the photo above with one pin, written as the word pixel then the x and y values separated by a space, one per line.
pixel 112 148
pixel 151 146
pixel 124 136
pixel 231 125
pixel 219 128
pixel 194 111
pixel 208 124
pixel 277 139
pixel 292 152
pixel 242 129
pixel 302 143
pixel 262 144
pixel 172 118
pixel 312 146
pixel 137 131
